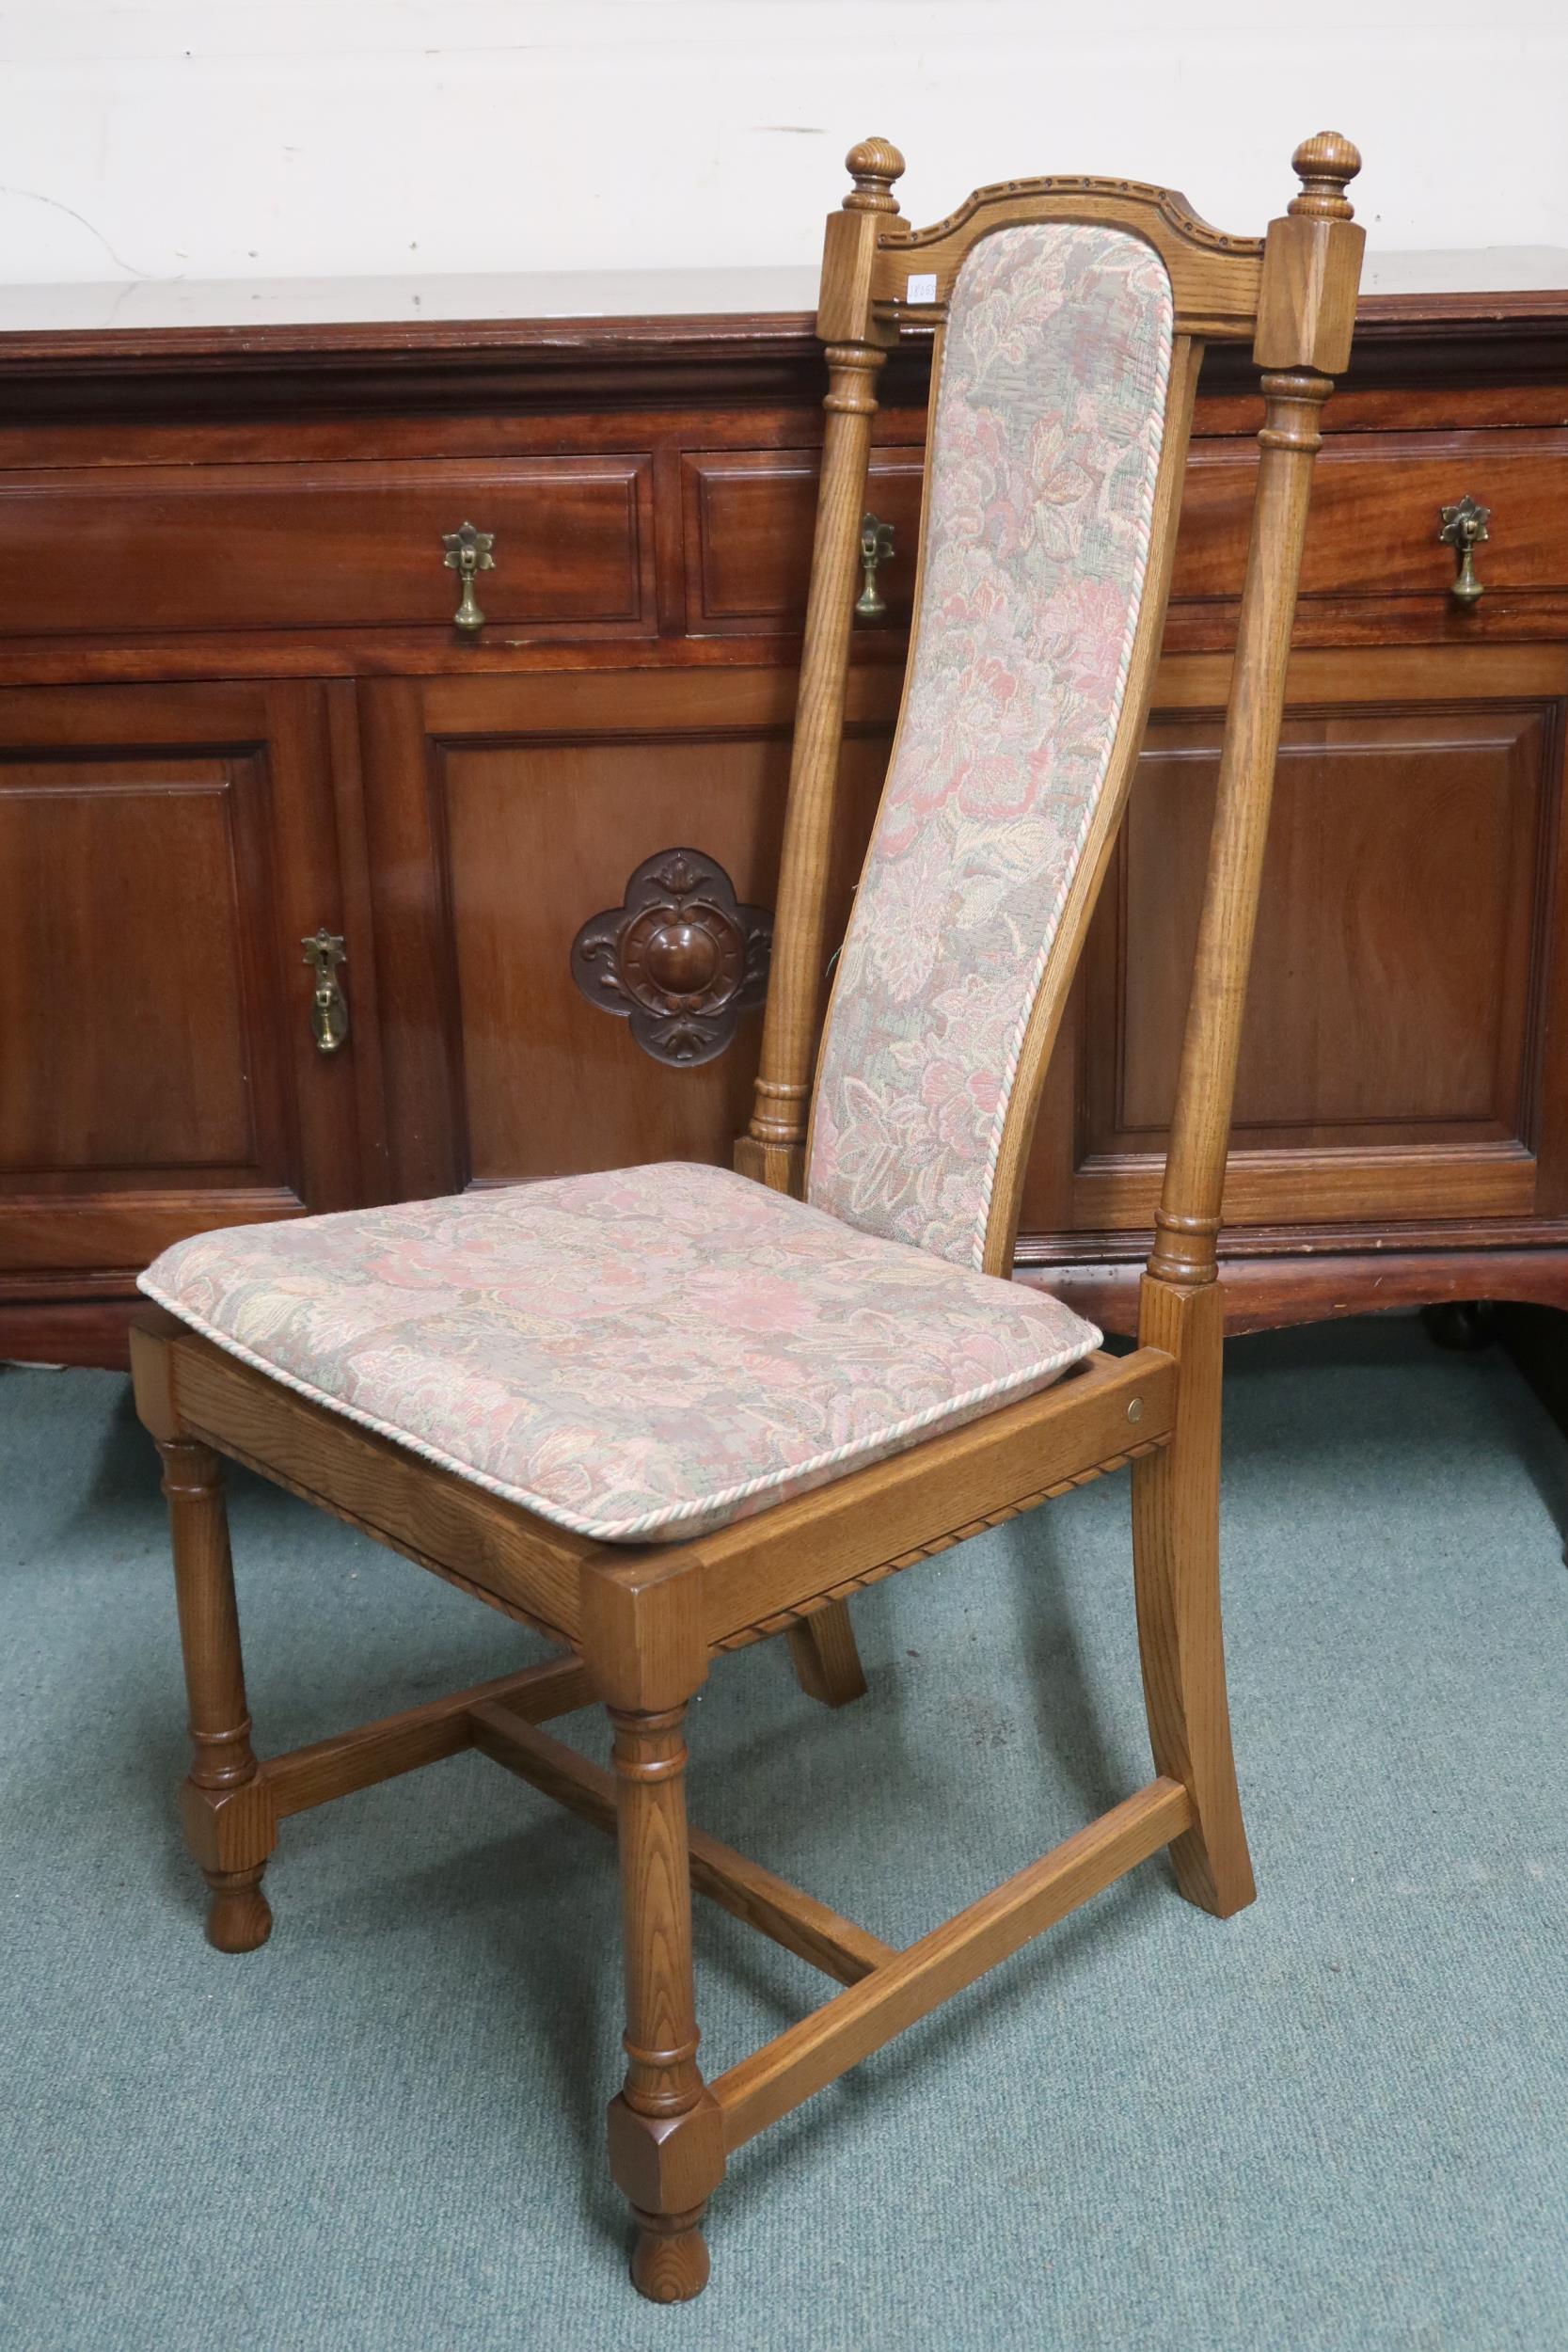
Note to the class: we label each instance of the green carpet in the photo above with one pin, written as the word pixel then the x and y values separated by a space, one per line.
pixel 1339 2121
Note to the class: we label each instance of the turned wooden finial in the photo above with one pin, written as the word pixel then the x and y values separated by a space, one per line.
pixel 1324 166
pixel 874 166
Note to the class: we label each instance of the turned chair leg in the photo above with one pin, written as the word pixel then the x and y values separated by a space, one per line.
pixel 225 1806
pixel 1175 1498
pixel 666 2135
pixel 826 1661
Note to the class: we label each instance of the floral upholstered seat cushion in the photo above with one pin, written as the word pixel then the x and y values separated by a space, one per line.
pixel 638 1357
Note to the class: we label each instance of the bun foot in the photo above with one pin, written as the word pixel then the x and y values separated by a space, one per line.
pixel 239 1918
pixel 669 2261
pixel 1465 1325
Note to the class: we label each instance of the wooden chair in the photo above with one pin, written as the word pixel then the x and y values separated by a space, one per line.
pixel 662 1414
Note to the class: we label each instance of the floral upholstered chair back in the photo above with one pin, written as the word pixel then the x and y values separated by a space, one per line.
pixel 1048 421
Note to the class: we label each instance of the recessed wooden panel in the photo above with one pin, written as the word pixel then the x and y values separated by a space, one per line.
pixel 338 545
pixel 1376 510
pixel 749 519
pixel 159 1075
pixel 163 851
pixel 1388 1058
pixel 539 837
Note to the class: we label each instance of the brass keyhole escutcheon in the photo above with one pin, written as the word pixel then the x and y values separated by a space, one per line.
pixel 1464 528
pixel 467 552
pixel 875 548
pixel 324 952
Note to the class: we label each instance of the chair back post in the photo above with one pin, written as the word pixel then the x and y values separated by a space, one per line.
pixel 773 1149
pixel 1306 309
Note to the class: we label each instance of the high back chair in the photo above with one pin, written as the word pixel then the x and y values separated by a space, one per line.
pixel 663 1413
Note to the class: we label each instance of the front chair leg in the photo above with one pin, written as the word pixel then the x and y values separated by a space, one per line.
pixel 666 2134
pixel 1176 1502
pixel 224 1807
pixel 826 1661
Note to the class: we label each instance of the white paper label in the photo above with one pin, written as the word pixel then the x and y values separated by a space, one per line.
pixel 921 289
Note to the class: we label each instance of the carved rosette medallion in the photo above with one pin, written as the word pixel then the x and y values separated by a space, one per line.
pixel 681 959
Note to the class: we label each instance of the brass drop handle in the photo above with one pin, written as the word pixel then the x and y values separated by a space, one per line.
pixel 467 551
pixel 1464 528
pixel 876 548
pixel 324 952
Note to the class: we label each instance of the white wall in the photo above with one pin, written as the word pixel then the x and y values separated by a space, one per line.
pixel 261 138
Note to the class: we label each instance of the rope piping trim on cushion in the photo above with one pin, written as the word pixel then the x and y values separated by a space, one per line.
pixel 652 1526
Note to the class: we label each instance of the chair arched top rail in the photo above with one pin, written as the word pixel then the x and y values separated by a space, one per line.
pixel 1215 279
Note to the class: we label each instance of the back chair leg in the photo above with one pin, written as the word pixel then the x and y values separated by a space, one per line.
pixel 1175 1498
pixel 226 1808
pixel 666 2134
pixel 826 1661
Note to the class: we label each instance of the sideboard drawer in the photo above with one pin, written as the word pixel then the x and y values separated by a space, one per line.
pixel 749 518
pixel 137 549
pixel 1377 508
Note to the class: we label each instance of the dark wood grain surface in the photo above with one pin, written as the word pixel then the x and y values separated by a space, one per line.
pixel 234 708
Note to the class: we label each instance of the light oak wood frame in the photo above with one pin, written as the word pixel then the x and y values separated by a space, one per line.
pixel 640 1627
pixel 1224 289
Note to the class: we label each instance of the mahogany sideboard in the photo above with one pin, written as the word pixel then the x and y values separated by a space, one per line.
pixel 237 714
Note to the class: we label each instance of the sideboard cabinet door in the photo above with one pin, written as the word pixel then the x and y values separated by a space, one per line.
pixel 506 813
pixel 1405 1060
pixel 164 853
